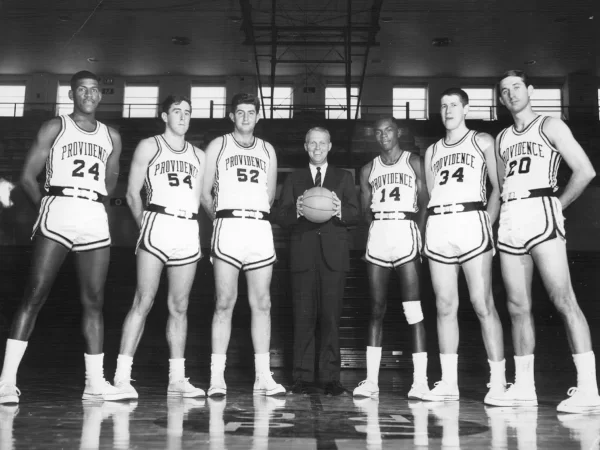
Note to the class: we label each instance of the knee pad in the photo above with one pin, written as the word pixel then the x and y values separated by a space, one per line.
pixel 413 312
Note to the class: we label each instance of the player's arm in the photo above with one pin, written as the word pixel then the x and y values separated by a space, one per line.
pixel 499 164
pixel 143 154
pixel 36 158
pixel 350 209
pixel 562 139
pixel 429 178
pixel 487 144
pixel 422 195
pixel 366 195
pixel 210 169
pixel 112 165
pixel 272 174
pixel 202 159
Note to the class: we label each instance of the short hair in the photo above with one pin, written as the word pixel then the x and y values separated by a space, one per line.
pixel 513 73
pixel 462 95
pixel 173 99
pixel 83 75
pixel 384 118
pixel 318 129
pixel 244 98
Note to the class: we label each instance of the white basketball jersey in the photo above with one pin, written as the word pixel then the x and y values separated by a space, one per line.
pixel 78 157
pixel 393 187
pixel 530 160
pixel 459 172
pixel 172 177
pixel 241 178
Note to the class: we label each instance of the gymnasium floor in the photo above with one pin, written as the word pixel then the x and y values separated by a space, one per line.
pixel 51 414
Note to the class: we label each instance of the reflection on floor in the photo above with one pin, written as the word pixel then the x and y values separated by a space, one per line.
pixel 51 415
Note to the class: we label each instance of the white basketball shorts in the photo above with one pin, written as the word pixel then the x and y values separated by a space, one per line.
pixel 392 243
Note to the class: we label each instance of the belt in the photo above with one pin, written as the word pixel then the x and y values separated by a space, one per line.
pixel 531 193
pixel 181 213
pixel 454 208
pixel 242 214
pixel 66 191
pixel 394 215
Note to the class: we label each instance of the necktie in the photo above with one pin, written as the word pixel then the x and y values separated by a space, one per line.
pixel 318 177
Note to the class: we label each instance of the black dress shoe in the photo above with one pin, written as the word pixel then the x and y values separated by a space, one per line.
pixel 300 387
pixel 334 388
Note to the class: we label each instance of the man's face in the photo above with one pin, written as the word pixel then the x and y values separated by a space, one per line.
pixel 244 117
pixel 317 145
pixel 514 94
pixel 178 117
pixel 387 134
pixel 86 95
pixel 453 111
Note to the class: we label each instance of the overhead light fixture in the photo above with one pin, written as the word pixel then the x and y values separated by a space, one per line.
pixel 64 18
pixel 181 40
pixel 441 42
pixel 531 62
pixel 387 19
pixel 235 19
pixel 92 60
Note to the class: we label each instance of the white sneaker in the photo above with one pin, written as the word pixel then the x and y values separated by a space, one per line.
pixel 442 392
pixel 265 384
pixel 125 391
pixel 9 393
pixel 366 388
pixel 102 390
pixel 217 388
pixel 184 389
pixel 516 395
pixel 496 390
pixel 580 401
pixel 418 391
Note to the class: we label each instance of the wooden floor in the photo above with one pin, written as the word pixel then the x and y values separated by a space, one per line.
pixel 51 414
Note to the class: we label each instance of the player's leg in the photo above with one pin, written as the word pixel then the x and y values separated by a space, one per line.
pixel 410 282
pixel 478 274
pixel 551 259
pixel 517 274
pixel 148 269
pixel 92 267
pixel 48 257
pixel 444 278
pixel 379 277
pixel 226 292
pixel 181 279
pixel 259 298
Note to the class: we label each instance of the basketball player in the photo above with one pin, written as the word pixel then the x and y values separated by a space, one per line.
pixel 81 156
pixel 172 171
pixel 532 232
pixel 239 189
pixel 393 198
pixel 459 235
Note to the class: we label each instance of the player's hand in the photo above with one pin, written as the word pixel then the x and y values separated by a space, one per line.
pixel 299 203
pixel 6 188
pixel 337 206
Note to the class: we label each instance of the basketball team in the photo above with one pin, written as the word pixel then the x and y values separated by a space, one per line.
pixel 442 198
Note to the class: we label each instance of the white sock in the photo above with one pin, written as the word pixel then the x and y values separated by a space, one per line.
pixel 449 362
pixel 586 371
pixel 524 370
pixel 217 362
pixel 420 367
pixel 262 363
pixel 373 363
pixel 497 372
pixel 176 369
pixel 94 367
pixel 15 350
pixel 123 372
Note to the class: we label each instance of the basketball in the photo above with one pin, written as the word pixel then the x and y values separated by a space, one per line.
pixel 317 204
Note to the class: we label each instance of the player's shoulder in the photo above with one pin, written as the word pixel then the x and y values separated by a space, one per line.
pixel 415 160
pixel 553 124
pixel 148 144
pixel 483 139
pixel 215 144
pixel 199 152
pixel 53 125
pixel 366 169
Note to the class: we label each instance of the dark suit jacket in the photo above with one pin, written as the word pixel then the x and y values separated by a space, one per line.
pixel 333 234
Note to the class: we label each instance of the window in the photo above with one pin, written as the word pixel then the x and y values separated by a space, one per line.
pixel 335 103
pixel 64 105
pixel 481 103
pixel 283 98
pixel 140 101
pixel 547 101
pixel 201 98
pixel 416 97
pixel 12 100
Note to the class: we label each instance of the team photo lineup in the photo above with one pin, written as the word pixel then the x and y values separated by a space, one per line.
pixel 438 210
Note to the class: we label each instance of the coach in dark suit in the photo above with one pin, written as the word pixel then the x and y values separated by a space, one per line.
pixel 319 260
